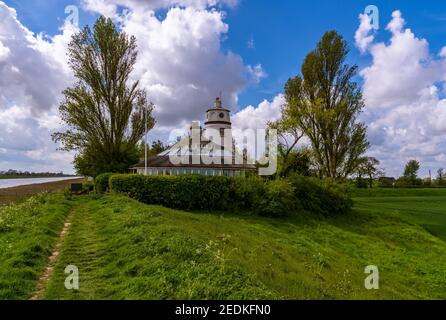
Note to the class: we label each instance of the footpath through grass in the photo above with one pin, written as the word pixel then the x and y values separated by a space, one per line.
pixel 128 250
pixel 27 233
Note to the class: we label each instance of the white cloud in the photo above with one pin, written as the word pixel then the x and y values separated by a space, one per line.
pixel 257 117
pixel 4 51
pixel 397 23
pixel 180 63
pixel 404 109
pixel 256 73
pixel 363 37
pixel 110 8
pixel 34 72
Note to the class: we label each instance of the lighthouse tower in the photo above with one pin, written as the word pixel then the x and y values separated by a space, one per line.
pixel 218 118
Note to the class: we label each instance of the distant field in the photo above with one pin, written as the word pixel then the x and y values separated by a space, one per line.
pixel 129 250
pixel 399 192
pixel 428 211
pixel 424 206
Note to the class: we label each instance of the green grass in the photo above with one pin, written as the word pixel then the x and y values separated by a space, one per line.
pixel 27 234
pixel 428 212
pixel 399 192
pixel 128 250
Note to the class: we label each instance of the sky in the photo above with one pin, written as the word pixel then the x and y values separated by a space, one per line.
pixel 191 51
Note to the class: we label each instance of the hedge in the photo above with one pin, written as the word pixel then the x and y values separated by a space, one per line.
pixel 101 183
pixel 263 197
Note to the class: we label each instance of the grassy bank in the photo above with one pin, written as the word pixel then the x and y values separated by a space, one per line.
pixel 27 234
pixel 128 250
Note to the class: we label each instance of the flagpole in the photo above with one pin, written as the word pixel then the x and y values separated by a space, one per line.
pixel 145 142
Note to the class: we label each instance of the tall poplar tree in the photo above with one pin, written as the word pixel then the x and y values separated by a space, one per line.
pixel 324 103
pixel 105 113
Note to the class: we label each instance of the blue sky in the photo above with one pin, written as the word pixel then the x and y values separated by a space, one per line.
pixel 245 48
pixel 283 32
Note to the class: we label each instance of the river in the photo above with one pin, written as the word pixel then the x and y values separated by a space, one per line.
pixel 9 183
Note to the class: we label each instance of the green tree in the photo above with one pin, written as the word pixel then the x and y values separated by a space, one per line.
pixel 411 171
pixel 289 135
pixel 368 167
pixel 105 114
pixel 325 102
pixel 157 147
pixel 441 181
pixel 297 161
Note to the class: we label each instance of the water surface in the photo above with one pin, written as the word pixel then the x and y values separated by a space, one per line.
pixel 9 183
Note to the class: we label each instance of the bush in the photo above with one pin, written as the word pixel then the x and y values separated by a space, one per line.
pixel 361 183
pixel 323 197
pixel 277 200
pixel 248 192
pixel 101 183
pixel 88 186
pixel 187 192
pixel 267 198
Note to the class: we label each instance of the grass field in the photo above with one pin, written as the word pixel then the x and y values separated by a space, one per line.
pixel 128 250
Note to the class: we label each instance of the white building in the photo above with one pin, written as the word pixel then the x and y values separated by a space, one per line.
pixel 207 151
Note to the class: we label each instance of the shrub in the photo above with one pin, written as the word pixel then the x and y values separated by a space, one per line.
pixel 278 199
pixel 323 197
pixel 101 182
pixel 88 186
pixel 268 198
pixel 361 183
pixel 182 192
pixel 248 192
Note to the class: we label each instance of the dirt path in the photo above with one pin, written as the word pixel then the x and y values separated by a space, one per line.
pixel 52 260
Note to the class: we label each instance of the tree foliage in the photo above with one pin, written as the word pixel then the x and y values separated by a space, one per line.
pixel 324 103
pixel 156 148
pixel 411 170
pixel 369 168
pixel 105 114
pixel 289 158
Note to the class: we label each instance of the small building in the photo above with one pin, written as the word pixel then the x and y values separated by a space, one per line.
pixel 204 151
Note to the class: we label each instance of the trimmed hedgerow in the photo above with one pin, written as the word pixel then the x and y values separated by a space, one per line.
pixel 276 198
pixel 182 192
pixel 101 183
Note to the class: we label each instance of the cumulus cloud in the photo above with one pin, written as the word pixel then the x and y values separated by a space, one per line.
pixel 257 117
pixel 363 37
pixel 112 8
pixel 180 63
pixel 402 90
pixel 256 73
pixel 34 72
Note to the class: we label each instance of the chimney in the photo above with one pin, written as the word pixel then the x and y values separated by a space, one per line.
pixel 195 125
